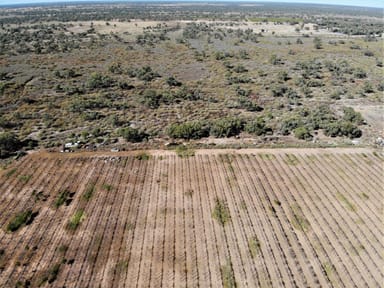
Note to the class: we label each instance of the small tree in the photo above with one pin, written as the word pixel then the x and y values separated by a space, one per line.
pixel 132 135
pixel 8 143
pixel 226 127
pixel 257 127
pixel 302 133
pixel 188 130
pixel 350 115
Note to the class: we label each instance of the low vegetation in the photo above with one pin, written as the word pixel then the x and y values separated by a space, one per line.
pixel 75 220
pixel 143 156
pixel 50 275
pixel 298 219
pixel 62 198
pixel 183 151
pixel 254 246
pixel 348 204
pixel 221 212
pixel 228 276
pixel 89 191
pixel 21 219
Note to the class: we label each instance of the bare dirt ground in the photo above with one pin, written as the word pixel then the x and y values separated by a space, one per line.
pixel 136 27
pixel 374 117
pixel 254 217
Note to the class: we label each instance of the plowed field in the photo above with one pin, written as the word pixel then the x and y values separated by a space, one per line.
pixel 251 218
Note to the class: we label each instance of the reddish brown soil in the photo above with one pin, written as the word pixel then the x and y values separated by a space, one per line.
pixel 315 213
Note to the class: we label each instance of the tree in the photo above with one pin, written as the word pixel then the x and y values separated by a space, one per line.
pixel 226 127
pixel 188 130
pixel 257 127
pixel 342 128
pixel 350 115
pixel 302 133
pixel 132 135
pixel 9 143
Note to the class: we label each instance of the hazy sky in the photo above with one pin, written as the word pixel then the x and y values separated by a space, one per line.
pixel 366 3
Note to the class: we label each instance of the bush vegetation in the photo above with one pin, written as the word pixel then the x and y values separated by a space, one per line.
pixel 257 127
pixel 75 220
pixel 9 143
pixel 226 127
pixel 183 151
pixel 62 198
pixel 188 130
pixel 132 134
pixel 228 275
pixel 20 219
pixel 89 192
pixel 221 212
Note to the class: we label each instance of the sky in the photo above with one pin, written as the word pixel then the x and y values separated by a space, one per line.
pixel 366 3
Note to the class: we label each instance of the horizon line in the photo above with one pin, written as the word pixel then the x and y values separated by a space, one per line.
pixel 55 2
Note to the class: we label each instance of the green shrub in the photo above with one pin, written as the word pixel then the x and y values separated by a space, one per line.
pixel 143 156
pixel 25 178
pixel 221 212
pixel 290 123
pixel 242 92
pixel 342 128
pixel 50 275
pixel 97 80
pixel 257 127
pixel 62 198
pixel 89 192
pixel 144 73
pixel 171 81
pixel 254 246
pixel 360 73
pixel 75 220
pixel 151 99
pixel 10 172
pixel 350 206
pixel 9 143
pixel 132 135
pixel 19 220
pixel 368 88
pixel 275 60
pixel 228 276
pixel 351 115
pixel 283 76
pixel 183 151
pixel 317 43
pixel 80 105
pixel 298 219
pixel 107 187
pixel 188 130
pixel 247 104
pixel 368 53
pixel 278 90
pixel 302 133
pixel 240 69
pixel 226 127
